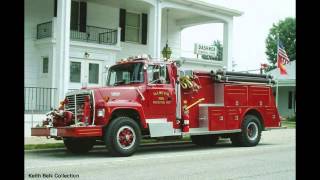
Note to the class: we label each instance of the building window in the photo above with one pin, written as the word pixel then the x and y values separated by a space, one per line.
pixel 93 73
pixel 45 65
pixel 290 100
pixel 133 23
pixel 75 71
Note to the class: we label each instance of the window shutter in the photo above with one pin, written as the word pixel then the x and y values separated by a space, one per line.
pixel 144 30
pixel 122 23
pixel 55 8
pixel 74 19
pixel 83 17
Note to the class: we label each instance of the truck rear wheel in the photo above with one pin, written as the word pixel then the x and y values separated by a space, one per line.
pixel 205 140
pixel 122 136
pixel 250 134
pixel 78 145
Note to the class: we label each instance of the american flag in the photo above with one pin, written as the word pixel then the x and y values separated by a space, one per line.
pixel 282 58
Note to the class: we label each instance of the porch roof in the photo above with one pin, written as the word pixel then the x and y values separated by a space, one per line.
pixel 211 7
pixel 286 80
pixel 291 72
pixel 143 6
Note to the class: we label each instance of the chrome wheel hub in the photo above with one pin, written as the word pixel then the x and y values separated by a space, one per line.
pixel 252 131
pixel 126 137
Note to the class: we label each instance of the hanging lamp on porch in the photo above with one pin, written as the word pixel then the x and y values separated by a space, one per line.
pixel 166 51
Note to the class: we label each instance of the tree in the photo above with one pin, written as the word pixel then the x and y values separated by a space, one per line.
pixel 285 30
pixel 218 44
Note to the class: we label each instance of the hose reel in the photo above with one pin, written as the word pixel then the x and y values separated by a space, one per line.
pixel 229 76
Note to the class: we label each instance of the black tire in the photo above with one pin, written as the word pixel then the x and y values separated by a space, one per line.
pixel 78 145
pixel 205 140
pixel 250 134
pixel 129 143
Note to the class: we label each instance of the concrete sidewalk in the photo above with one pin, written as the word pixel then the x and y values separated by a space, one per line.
pixel 40 140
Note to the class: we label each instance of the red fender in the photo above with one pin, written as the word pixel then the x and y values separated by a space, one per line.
pixel 116 105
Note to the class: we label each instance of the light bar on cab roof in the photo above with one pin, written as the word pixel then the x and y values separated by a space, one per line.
pixel 142 57
pixel 134 58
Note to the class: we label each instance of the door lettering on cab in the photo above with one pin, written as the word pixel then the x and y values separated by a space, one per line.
pixel 161 97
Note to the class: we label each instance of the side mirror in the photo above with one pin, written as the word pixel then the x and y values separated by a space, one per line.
pixel 178 63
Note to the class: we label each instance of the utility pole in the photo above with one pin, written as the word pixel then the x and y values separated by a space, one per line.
pixel 233 65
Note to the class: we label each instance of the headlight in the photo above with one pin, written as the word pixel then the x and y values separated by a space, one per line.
pixel 100 112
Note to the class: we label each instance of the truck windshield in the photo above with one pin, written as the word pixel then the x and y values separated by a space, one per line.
pixel 123 74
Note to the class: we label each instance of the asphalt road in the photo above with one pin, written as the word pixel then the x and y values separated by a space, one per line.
pixel 273 158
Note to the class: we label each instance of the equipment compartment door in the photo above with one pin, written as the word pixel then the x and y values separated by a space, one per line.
pixel 233 118
pixel 271 117
pixel 217 118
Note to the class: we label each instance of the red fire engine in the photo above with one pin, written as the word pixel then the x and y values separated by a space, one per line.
pixel 145 98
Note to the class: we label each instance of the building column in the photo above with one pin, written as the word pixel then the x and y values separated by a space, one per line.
pixel 53 60
pixel 62 49
pixel 152 31
pixel 158 29
pixel 154 28
pixel 227 44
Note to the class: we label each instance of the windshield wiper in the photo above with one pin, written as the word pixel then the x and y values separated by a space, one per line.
pixel 135 81
pixel 119 82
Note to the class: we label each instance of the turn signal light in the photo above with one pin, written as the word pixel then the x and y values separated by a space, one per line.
pixel 106 98
pixel 62 103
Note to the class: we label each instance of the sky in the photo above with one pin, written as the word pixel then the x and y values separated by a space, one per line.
pixel 249 30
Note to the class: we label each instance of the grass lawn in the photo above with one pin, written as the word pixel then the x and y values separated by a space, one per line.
pixel 289 124
pixel 43 146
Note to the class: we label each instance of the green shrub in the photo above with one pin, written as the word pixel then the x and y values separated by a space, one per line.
pixel 293 119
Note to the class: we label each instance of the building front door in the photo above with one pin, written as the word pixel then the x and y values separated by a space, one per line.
pixel 85 73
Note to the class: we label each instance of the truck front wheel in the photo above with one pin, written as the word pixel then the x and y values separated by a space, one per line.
pixel 78 145
pixel 250 134
pixel 122 136
pixel 205 140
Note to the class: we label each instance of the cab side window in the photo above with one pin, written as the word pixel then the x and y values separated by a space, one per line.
pixel 158 74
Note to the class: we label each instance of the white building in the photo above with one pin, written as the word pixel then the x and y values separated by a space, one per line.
pixel 285 92
pixel 68 43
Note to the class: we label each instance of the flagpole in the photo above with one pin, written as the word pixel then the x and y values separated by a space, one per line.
pixel 278 48
pixel 277 87
pixel 277 92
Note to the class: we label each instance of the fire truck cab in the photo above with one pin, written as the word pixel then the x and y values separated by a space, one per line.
pixel 148 98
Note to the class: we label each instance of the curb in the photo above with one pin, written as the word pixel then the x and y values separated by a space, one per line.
pixel 99 146
pixel 142 145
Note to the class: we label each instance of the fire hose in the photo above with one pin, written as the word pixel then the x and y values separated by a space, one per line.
pixel 188 82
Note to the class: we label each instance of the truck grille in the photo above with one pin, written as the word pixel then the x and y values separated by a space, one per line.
pixel 75 102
